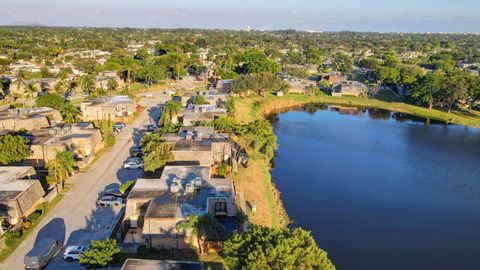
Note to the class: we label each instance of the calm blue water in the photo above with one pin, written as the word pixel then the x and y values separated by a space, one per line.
pixel 379 193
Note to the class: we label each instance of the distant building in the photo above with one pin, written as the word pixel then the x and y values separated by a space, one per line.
pixel 101 81
pixel 81 139
pixel 28 119
pixel 349 88
pixel 200 113
pixel 142 264
pixel 155 207
pixel 300 86
pixel 108 108
pixel 20 192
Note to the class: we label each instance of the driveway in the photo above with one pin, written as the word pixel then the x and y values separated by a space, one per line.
pixel 76 219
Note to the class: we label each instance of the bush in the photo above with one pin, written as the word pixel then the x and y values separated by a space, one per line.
pixel 125 187
pixel 110 141
pixel 223 169
pixel 26 225
pixel 12 237
pixel 35 216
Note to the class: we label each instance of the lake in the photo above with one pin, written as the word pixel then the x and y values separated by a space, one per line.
pixel 381 190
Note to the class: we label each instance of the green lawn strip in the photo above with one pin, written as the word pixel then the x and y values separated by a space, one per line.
pixel 267 185
pixel 8 250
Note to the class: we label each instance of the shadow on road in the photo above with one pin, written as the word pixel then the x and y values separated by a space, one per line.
pixel 55 229
pixel 97 226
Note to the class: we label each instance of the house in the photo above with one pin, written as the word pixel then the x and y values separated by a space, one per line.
pixel 300 86
pixel 334 78
pixel 223 86
pixel 82 139
pixel 143 264
pixel 199 146
pixel 214 98
pixel 349 88
pixel 28 119
pixel 20 192
pixel 101 81
pixel 200 113
pixel 155 207
pixel 108 108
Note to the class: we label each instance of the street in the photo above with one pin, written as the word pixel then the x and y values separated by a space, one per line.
pixel 76 219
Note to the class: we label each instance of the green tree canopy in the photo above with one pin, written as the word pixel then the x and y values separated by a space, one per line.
pixel 53 101
pixel 13 148
pixel 156 152
pixel 267 248
pixel 100 254
pixel 168 112
pixel 60 168
pixel 199 100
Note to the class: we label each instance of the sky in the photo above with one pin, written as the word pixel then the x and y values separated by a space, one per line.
pixel 331 15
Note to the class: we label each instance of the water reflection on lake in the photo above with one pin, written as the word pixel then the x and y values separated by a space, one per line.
pixel 381 190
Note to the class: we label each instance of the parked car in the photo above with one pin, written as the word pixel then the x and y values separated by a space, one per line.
pixel 119 125
pixel 133 163
pixel 108 200
pixel 85 95
pixel 116 131
pixel 42 253
pixel 136 151
pixel 113 192
pixel 72 253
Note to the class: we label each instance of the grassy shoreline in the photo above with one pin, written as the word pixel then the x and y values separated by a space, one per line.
pixel 256 180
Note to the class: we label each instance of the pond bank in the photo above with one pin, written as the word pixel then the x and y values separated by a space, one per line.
pixel 256 182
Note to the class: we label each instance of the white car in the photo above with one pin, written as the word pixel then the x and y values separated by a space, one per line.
pixel 109 200
pixel 133 163
pixel 72 253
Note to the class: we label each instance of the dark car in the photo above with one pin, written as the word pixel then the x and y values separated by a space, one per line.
pixel 112 192
pixel 42 253
pixel 136 151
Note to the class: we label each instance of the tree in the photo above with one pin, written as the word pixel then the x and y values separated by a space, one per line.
pixel 343 63
pixel 30 89
pixel 87 83
pixel 112 85
pixel 13 148
pixel 168 112
pixel 272 248
pixel 100 254
pixel 260 84
pixel 410 73
pixel 386 74
pixel 69 113
pixel 258 62
pixel 125 187
pixel 455 89
pixel 53 101
pixel 60 168
pixel 202 228
pixel 156 152
pixel 199 100
pixel 427 89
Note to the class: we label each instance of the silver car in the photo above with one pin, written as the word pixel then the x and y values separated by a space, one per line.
pixel 108 200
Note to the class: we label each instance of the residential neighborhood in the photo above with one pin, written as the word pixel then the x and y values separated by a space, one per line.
pixel 139 148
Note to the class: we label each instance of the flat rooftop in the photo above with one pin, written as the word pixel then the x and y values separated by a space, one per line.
pixel 141 264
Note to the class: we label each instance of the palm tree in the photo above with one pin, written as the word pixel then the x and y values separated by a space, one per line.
pixel 60 168
pixel 30 88
pixel 21 78
pixel 70 113
pixel 87 83
pixel 112 85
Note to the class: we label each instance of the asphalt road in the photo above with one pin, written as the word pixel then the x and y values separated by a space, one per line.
pixel 76 219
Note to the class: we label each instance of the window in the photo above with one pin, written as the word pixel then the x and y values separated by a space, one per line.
pixel 220 207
